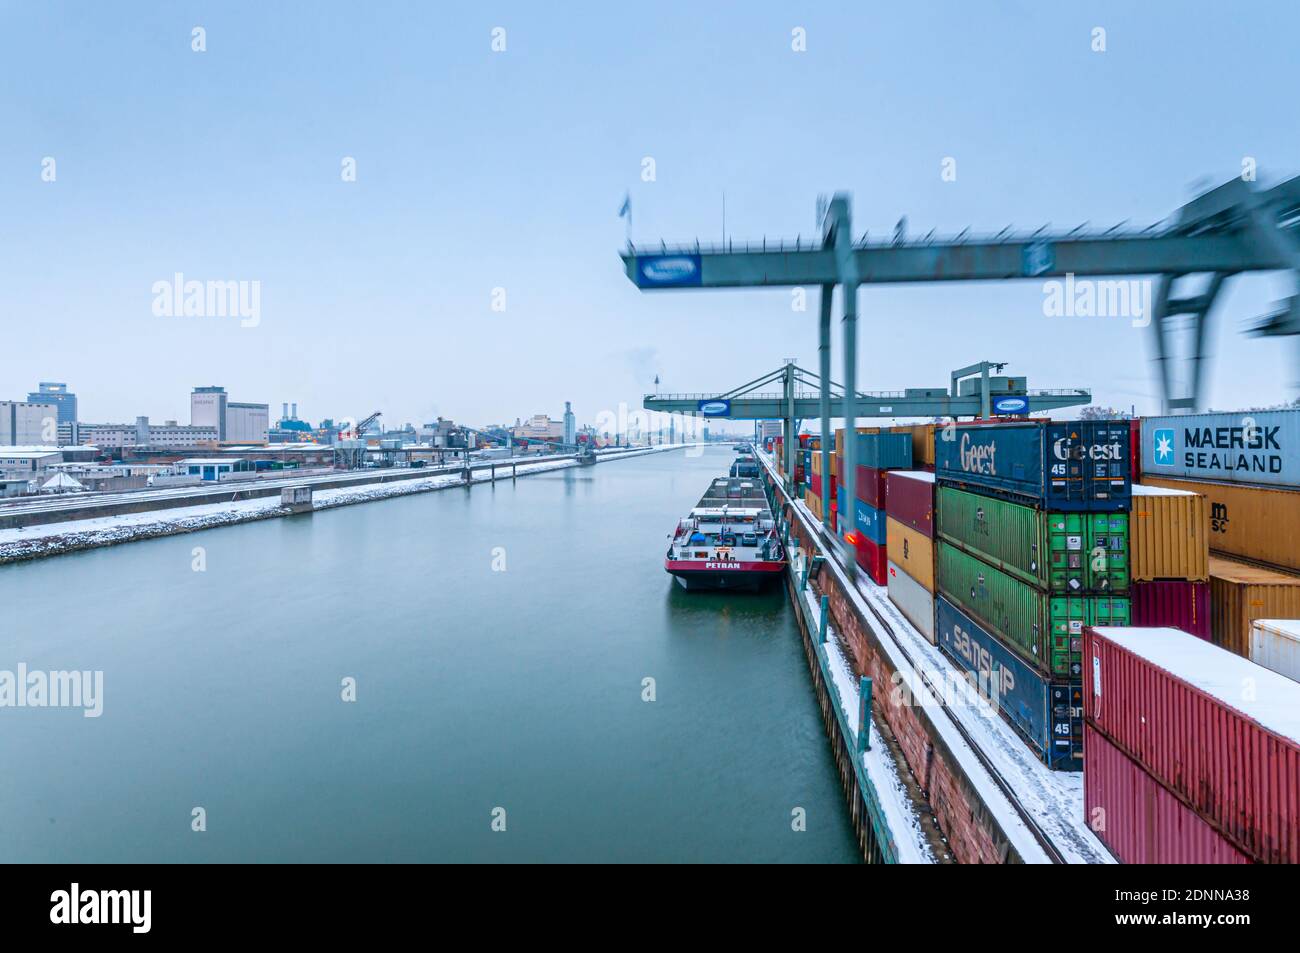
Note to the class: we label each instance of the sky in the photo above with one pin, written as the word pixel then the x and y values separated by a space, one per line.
pixel 479 169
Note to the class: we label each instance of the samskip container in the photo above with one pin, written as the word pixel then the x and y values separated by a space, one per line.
pixel 1066 466
pixel 909 498
pixel 885 451
pixel 1169 534
pixel 1175 603
pixel 1259 446
pixel 912 599
pixel 1046 629
pixel 1047 713
pixel 1140 820
pixel 1252 522
pixel 1216 729
pixel 1241 593
pixel 1275 644
pixel 911 551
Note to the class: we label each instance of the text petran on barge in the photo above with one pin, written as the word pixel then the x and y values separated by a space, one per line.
pixel 729 540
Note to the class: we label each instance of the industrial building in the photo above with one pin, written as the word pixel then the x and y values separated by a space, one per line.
pixel 234 421
pixel 169 435
pixel 26 423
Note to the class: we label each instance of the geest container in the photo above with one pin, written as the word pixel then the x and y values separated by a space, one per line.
pixel 1175 603
pixel 1245 447
pixel 885 451
pixel 1062 552
pixel 1138 818
pixel 1064 466
pixel 1240 594
pixel 1253 522
pixel 1169 534
pixel 912 599
pixel 1046 629
pixel 1275 644
pixel 911 552
pixel 1046 713
pixel 1216 729
pixel 909 498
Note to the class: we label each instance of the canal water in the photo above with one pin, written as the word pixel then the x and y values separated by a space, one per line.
pixel 499 638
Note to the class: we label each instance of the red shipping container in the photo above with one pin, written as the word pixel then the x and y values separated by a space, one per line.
pixel 1135 448
pixel 909 498
pixel 1138 818
pixel 1219 731
pixel 871 557
pixel 870 488
pixel 1177 603
pixel 815 484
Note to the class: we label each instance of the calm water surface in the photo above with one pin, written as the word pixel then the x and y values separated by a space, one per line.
pixel 476 689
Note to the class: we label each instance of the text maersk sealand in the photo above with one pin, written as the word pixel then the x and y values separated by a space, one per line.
pixel 728 541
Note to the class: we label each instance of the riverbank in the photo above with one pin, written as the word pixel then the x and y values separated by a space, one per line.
pixel 56 539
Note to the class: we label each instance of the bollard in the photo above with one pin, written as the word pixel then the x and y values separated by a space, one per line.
pixel 826 611
pixel 864 714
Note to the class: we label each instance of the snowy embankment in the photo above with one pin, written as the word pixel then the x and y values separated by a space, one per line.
pixel 52 539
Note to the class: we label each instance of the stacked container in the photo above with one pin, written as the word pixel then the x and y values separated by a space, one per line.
pixel 1032 545
pixel 1240 593
pixel 815 496
pixel 1170 559
pixel 1275 644
pixel 909 543
pixel 922 444
pixel 1193 753
pixel 876 453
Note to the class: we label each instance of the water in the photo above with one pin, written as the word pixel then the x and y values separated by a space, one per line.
pixel 476 689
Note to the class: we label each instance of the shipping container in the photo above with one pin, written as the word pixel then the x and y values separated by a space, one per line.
pixel 922 443
pixel 909 498
pixel 1275 644
pixel 867 520
pixel 1258 446
pixel 884 451
pixel 871 557
pixel 912 599
pixel 870 486
pixel 839 438
pixel 1135 449
pixel 1175 603
pixel 1064 466
pixel 1169 534
pixel 1140 820
pixel 1045 628
pixel 1240 594
pixel 1047 713
pixel 1248 521
pixel 1061 552
pixel 1216 729
pixel 910 551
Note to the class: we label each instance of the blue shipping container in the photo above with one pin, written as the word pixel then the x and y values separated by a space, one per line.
pixel 1068 466
pixel 866 519
pixel 884 451
pixel 1047 714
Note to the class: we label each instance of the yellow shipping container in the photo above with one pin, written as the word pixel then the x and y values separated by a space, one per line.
pixel 1169 534
pixel 1252 522
pixel 922 443
pixel 1241 593
pixel 911 552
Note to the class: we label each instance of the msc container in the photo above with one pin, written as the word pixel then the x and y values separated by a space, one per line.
pixel 1169 534
pixel 1260 446
pixel 1176 603
pixel 870 486
pixel 912 599
pixel 1044 628
pixel 1062 552
pixel 1253 522
pixel 909 498
pixel 922 443
pixel 884 451
pixel 1240 594
pixel 910 551
pixel 1048 714
pixel 1138 818
pixel 1216 729
pixel 1066 466
pixel 1275 644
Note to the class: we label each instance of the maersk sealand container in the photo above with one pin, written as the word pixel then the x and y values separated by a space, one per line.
pixel 1068 466
pixel 1048 713
pixel 1245 447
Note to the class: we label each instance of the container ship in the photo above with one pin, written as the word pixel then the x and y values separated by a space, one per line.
pixel 729 540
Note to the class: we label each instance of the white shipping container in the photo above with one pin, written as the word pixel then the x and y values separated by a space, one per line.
pixel 913 600
pixel 1275 644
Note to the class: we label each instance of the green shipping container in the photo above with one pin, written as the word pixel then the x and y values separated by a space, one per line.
pixel 1045 628
pixel 1060 552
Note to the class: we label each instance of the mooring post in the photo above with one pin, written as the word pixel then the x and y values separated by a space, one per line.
pixel 864 714
pixel 826 611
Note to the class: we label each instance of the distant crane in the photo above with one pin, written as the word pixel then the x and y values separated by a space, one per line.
pixel 351 444
pixel 356 430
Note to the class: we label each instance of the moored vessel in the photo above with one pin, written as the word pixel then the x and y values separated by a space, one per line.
pixel 729 539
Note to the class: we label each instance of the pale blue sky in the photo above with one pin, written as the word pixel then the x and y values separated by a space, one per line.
pixel 479 169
